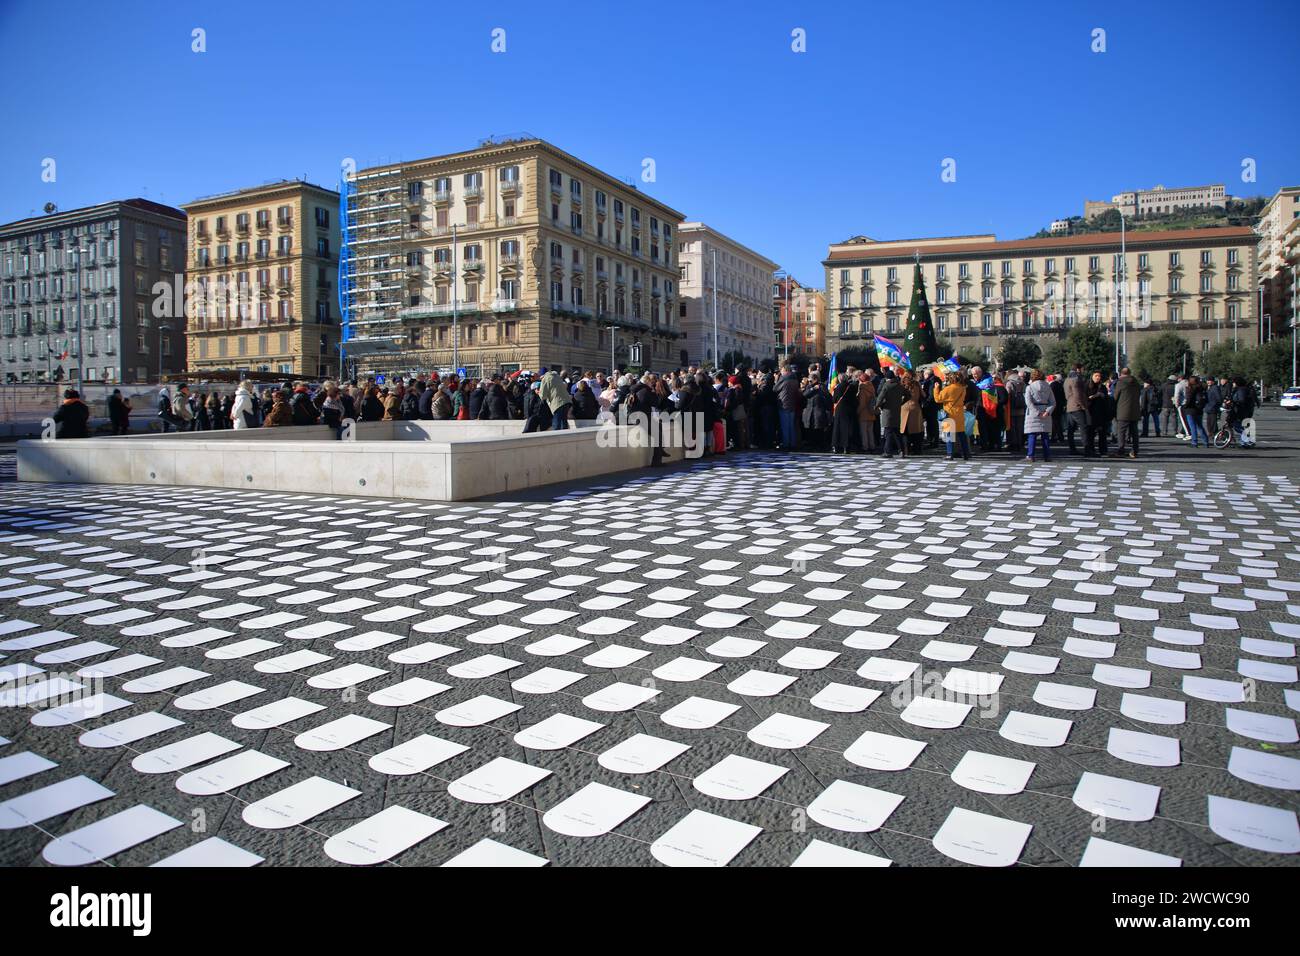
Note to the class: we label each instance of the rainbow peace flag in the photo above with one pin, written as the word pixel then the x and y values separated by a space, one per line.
pixel 950 366
pixel 887 354
pixel 988 396
pixel 833 374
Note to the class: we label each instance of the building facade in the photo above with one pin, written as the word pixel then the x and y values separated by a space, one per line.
pixel 1142 202
pixel 798 318
pixel 1276 228
pixel 708 260
pixel 513 255
pixel 77 291
pixel 1200 283
pixel 263 275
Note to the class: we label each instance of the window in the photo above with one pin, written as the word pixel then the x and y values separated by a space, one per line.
pixel 963 271
pixel 1028 268
pixel 1049 265
pixel 1069 264
pixel 892 275
pixel 263 219
pixel 1207 257
pixel 941 272
pixel 1094 263
pixel 866 276
pixel 1175 283
pixel 1232 257
pixel 987 269
pixel 1173 260
pixel 1143 262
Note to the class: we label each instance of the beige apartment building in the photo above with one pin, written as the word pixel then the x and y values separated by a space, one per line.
pixel 798 318
pixel 1200 283
pixel 1141 202
pixel 513 255
pixel 708 260
pixel 1277 231
pixel 263 272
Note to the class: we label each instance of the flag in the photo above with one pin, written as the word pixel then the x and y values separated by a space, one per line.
pixel 833 373
pixel 988 395
pixel 950 366
pixel 887 354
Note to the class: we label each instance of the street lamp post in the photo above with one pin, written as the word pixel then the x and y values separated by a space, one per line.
pixel 717 357
pixel 1123 301
pixel 455 305
pixel 80 371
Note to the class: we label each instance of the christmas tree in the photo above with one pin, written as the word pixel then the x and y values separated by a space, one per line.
pixel 919 343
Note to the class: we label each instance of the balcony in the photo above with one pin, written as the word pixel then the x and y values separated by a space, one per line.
pixel 473 192
pixel 264 225
pixel 602 275
pixel 442 268
pixel 509 187
pixel 442 196
pixel 509 262
pixel 472 266
pixel 505 305
pixel 242 229
pixel 285 222
pixel 263 254
pixel 508 221
pixel 284 253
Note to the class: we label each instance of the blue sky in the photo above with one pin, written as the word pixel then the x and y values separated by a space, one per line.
pixel 783 151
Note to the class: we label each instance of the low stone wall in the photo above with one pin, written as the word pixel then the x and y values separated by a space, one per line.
pixel 426 466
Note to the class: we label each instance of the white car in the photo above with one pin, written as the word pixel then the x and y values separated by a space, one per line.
pixel 1290 398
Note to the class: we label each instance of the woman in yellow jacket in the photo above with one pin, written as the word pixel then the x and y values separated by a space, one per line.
pixel 952 399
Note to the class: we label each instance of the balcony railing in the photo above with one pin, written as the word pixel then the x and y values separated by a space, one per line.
pixel 505 305
pixel 473 192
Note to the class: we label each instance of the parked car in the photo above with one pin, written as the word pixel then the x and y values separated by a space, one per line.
pixel 1290 398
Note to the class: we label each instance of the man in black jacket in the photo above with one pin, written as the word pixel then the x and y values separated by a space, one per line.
pixel 72 417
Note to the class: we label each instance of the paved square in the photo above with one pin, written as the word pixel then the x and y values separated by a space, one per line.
pixel 755 660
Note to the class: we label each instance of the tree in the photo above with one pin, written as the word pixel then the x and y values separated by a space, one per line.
pixel 857 357
pixel 1163 355
pixel 947 348
pixel 1223 360
pixel 919 342
pixel 1272 362
pixel 1018 351
pixel 1087 345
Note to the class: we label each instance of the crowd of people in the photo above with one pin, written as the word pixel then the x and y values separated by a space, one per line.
pixel 966 411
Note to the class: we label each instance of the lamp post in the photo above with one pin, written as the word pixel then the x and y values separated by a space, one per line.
pixel 1123 302
pixel 717 357
pixel 455 305
pixel 80 371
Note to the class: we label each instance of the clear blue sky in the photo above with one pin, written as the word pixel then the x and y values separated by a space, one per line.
pixel 784 151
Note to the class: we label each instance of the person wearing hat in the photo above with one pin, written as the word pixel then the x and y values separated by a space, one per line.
pixel 556 395
pixel 119 412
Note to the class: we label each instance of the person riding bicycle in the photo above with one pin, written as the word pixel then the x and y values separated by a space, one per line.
pixel 1240 406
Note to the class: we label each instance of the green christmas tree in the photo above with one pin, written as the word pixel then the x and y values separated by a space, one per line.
pixel 919 343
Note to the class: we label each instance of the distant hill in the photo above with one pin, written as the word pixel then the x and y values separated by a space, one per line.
pixel 1236 212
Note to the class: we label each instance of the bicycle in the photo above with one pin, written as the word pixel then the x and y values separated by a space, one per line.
pixel 1226 435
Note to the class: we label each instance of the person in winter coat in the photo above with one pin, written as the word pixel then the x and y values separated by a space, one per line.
pixel 537 414
pixel 844 428
pixel 165 412
pixel 119 412
pixel 952 400
pixel 788 394
pixel 1076 408
pixel 1100 413
pixel 425 405
pixel 817 414
pixel 411 402
pixel 1128 410
pixel 303 408
pixel 440 406
pixel 767 414
pixel 556 396
pixel 280 413
pixel 331 408
pixel 585 406
pixel 182 413
pixel 1193 408
pixel 1060 417
pixel 866 413
pixel 241 412
pixel 1241 406
pixel 372 406
pixel 1016 385
pixel 475 398
pixel 1039 405
pixel 910 426
pixel 73 417
pixel 495 406
pixel 1214 397
pixel 889 406
pixel 1149 406
pixel 392 407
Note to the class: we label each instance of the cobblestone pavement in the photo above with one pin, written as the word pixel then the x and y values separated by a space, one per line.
pixel 759 659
